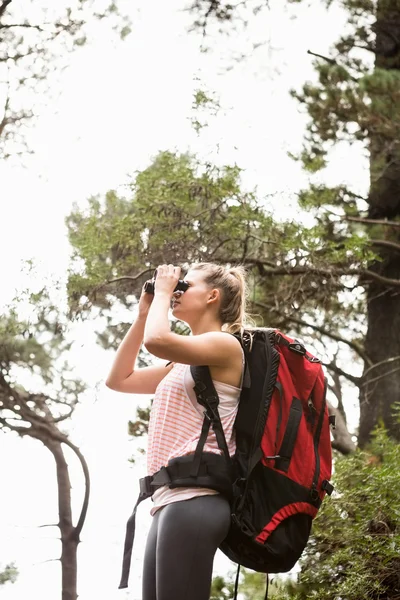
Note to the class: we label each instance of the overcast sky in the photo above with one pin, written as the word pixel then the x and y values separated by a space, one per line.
pixel 119 104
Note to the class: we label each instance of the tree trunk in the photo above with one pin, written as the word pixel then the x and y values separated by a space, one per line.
pixel 381 383
pixel 69 535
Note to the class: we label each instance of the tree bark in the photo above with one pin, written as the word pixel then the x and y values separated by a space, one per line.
pixel 342 440
pixel 380 386
pixel 69 535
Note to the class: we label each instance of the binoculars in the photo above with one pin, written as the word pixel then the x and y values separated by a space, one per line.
pixel 181 286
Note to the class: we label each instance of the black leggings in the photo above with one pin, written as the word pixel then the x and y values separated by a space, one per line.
pixel 180 548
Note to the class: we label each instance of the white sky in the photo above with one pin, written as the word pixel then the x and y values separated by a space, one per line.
pixel 120 103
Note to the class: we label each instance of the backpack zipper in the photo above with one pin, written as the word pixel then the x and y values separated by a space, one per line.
pixel 317 435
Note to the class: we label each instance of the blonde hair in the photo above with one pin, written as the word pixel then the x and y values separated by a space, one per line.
pixel 231 281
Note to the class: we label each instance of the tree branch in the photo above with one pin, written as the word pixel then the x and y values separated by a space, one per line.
pixel 85 503
pixel 380 278
pixel 339 371
pixel 386 244
pixel 125 277
pixel 353 345
pixel 27 25
pixel 378 377
pixel 379 364
pixel 3 7
pixel 332 61
pixel 4 121
pixel 329 273
pixel 374 221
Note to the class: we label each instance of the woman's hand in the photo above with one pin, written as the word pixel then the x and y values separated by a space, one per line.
pixel 167 279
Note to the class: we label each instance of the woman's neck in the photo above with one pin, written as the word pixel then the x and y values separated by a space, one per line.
pixel 205 326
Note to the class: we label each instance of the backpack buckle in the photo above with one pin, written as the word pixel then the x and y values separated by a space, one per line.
pixel 199 387
pixel 297 347
pixel 211 414
pixel 327 487
pixel 313 359
pixel 314 493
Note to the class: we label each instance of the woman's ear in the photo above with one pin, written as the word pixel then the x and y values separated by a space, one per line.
pixel 214 295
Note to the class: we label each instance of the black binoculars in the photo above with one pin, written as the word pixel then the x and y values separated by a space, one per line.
pixel 181 286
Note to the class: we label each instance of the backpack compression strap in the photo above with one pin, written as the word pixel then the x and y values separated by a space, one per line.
pixel 148 485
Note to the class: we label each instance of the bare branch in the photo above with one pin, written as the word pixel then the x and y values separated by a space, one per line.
pixel 374 221
pixel 334 336
pixel 332 61
pixel 386 244
pixel 125 277
pixel 48 560
pixel 4 121
pixel 378 377
pixel 27 25
pixel 379 364
pixel 3 7
pixel 218 246
pixel 66 416
pixel 328 273
pixel 85 503
pixel 333 367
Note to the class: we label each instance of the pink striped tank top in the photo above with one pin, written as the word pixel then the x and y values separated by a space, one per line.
pixel 175 424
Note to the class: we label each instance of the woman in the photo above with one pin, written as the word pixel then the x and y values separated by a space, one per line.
pixel 189 523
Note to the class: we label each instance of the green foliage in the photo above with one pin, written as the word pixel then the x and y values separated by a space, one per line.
pixel 355 544
pixel 140 427
pixel 204 106
pixel 252 586
pixel 182 211
pixel 8 574
pixel 34 343
pixel 179 211
pixel 221 589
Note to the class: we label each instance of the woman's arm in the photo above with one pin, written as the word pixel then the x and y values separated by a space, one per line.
pixel 123 377
pixel 125 358
pixel 214 348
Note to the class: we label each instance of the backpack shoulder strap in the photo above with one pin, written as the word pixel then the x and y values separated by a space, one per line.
pixel 207 396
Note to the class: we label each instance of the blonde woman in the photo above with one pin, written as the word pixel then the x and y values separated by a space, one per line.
pixel 189 523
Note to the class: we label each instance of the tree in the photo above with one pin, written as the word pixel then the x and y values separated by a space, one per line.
pixel 356 100
pixel 34 44
pixel 34 347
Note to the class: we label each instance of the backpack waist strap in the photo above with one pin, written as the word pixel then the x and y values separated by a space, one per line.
pixel 213 474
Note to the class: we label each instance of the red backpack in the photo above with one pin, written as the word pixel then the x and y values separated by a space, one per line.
pixel 281 469
pixel 283 454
